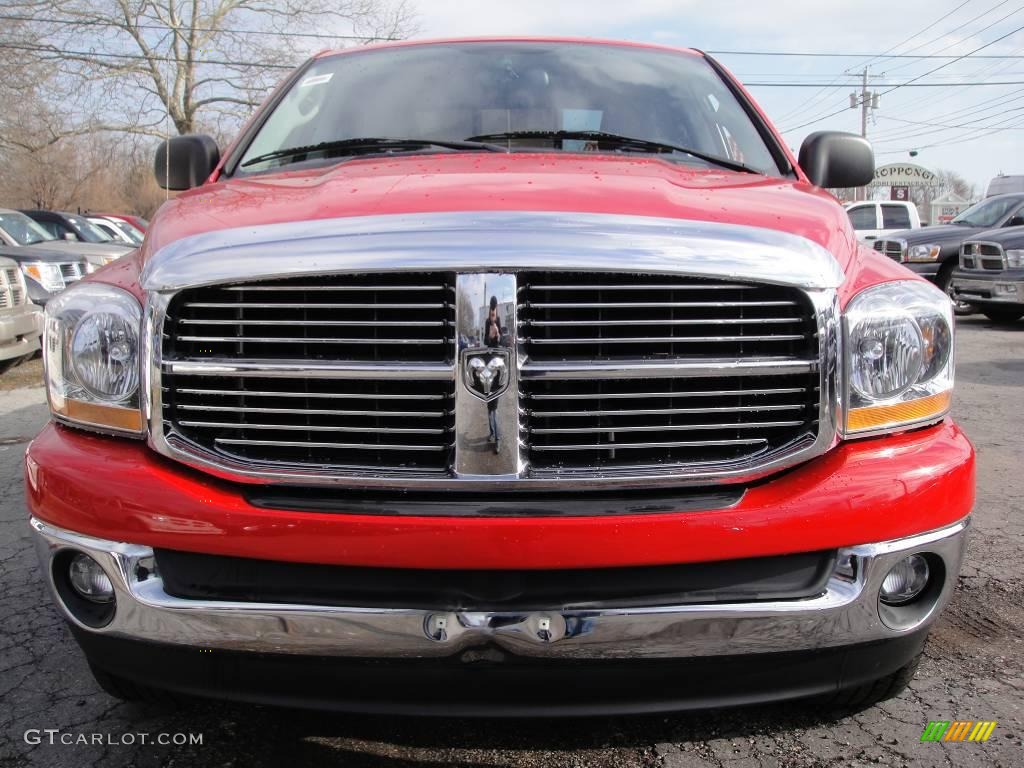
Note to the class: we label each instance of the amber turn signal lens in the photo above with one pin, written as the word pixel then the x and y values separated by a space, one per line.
pixel 93 415
pixel 881 416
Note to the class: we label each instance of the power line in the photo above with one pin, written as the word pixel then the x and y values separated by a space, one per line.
pixel 820 96
pixel 816 54
pixel 976 32
pixel 960 140
pixel 166 28
pixel 894 86
pixel 914 79
pixel 140 57
pixel 997 102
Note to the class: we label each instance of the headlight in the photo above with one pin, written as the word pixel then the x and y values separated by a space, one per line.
pixel 899 342
pixel 929 252
pixel 91 353
pixel 47 275
pixel 1015 259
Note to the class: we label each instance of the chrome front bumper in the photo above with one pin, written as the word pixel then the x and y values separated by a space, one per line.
pixel 19 333
pixel 990 291
pixel 845 614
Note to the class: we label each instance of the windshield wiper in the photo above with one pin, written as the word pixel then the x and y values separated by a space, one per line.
pixel 372 144
pixel 620 142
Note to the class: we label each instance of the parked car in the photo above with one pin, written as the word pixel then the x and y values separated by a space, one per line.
pixel 874 219
pixel 711 462
pixel 21 321
pixel 991 274
pixel 117 230
pixel 934 252
pixel 47 272
pixel 17 229
pixel 69 226
pixel 138 222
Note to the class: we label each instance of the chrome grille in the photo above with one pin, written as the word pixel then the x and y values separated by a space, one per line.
pixel 894 249
pixel 619 375
pixel 984 256
pixel 72 271
pixel 629 372
pixel 12 291
pixel 354 400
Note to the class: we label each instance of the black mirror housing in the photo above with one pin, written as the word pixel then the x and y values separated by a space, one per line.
pixel 837 160
pixel 186 161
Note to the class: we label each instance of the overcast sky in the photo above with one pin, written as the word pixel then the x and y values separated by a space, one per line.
pixel 856 27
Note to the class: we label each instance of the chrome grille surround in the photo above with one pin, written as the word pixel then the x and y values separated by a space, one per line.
pixel 979 255
pixel 12 288
pixel 507 243
pixel 894 249
pixel 72 271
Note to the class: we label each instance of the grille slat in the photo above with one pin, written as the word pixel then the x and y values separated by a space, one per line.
pixel 310 428
pixel 664 428
pixel 656 339
pixel 727 374
pixel 346 446
pixel 305 340
pixel 647 446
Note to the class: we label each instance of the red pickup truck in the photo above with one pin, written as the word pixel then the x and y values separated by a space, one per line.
pixel 525 376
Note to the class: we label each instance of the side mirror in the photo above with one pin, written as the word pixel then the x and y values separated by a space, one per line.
pixel 837 160
pixel 185 161
pixel 71 236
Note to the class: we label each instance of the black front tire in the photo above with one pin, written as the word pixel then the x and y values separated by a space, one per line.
pixel 127 690
pixel 1003 314
pixel 867 695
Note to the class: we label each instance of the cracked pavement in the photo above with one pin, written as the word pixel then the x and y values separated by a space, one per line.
pixel 973 667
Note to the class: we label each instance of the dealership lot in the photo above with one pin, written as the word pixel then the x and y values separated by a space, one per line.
pixel 973 668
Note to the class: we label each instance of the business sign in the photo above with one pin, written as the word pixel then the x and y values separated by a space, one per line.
pixel 899 193
pixel 904 175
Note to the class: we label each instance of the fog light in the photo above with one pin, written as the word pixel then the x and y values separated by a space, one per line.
pixel 89 580
pixel 905 581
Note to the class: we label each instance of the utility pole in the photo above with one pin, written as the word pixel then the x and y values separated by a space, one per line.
pixel 865 100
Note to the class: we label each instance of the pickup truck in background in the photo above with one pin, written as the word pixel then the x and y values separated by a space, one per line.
pixel 934 252
pixel 874 219
pixel 991 274
pixel 21 321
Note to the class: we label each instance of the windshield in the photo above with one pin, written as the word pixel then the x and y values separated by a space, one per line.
pixel 128 231
pixel 987 213
pixel 87 231
pixel 453 92
pixel 23 230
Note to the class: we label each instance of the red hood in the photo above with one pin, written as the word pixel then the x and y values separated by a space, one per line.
pixel 518 182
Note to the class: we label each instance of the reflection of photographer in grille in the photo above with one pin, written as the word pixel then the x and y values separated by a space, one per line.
pixel 492 338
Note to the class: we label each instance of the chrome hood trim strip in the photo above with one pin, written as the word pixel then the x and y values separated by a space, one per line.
pixel 492 242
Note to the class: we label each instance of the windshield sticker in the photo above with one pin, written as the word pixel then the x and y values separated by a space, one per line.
pixel 316 80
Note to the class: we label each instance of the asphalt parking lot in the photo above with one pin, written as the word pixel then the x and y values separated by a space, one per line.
pixel 973 669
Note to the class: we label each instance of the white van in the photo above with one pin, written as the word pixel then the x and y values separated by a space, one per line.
pixel 1001 185
pixel 873 219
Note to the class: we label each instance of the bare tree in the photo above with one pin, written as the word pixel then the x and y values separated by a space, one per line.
pixel 134 65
